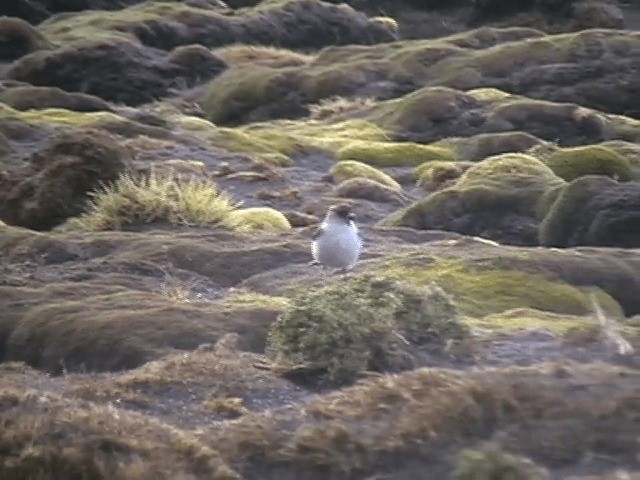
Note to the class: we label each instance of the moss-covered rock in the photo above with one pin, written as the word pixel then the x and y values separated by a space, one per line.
pixel 343 329
pixel 348 169
pixel 566 123
pixel 26 98
pixel 482 289
pixel 438 174
pixel 166 25
pixel 478 147
pixel 571 163
pixel 393 154
pixel 138 74
pixel 252 93
pixel 496 198
pixel 630 151
pixel 56 184
pixel 256 218
pixel 368 189
pixel 429 114
pixel 238 55
pixel 18 38
pixel 593 210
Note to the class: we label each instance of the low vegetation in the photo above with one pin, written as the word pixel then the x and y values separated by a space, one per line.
pixel 154 197
pixel 348 169
pixel 340 331
pixel 571 163
pixel 393 154
pixel 256 218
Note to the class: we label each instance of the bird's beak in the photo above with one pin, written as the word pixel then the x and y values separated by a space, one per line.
pixel 351 216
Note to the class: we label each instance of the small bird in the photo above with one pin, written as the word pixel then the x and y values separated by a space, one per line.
pixel 337 243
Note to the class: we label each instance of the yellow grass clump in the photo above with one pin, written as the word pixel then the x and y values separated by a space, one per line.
pixel 146 198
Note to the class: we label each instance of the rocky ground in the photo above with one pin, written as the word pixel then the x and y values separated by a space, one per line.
pixel 163 165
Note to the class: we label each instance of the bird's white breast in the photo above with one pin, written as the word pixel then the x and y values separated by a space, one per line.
pixel 338 246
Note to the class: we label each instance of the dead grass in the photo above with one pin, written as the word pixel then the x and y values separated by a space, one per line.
pixel 46 436
pixel 263 55
pixel 406 417
pixel 334 106
pixel 153 197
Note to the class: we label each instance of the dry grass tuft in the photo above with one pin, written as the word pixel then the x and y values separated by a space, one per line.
pixel 333 106
pixel 152 197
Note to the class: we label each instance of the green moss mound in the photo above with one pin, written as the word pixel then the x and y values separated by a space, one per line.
pixel 571 163
pixel 497 198
pixel 393 154
pixel 483 289
pixel 256 218
pixel 238 91
pixel 478 147
pixel 348 169
pixel 343 329
pixel 107 328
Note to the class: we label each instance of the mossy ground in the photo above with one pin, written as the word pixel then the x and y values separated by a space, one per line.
pixel 392 154
pixel 347 169
pixel 185 305
pixel 571 163
pixel 484 289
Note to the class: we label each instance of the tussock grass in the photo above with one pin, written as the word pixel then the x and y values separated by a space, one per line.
pixel 333 106
pixel 135 199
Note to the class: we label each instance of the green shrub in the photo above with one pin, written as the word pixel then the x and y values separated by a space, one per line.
pixel 571 163
pixel 345 328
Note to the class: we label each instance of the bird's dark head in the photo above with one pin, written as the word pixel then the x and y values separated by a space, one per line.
pixel 343 211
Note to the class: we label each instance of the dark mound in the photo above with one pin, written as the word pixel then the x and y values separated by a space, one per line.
pixel 18 38
pixel 594 210
pixel 25 98
pixel 54 184
pixel 117 71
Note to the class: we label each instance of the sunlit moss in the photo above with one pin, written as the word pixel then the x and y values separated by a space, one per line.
pixel 256 218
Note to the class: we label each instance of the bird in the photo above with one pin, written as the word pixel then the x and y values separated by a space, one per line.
pixel 336 242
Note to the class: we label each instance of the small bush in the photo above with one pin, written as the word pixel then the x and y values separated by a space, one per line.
pixel 155 197
pixel 256 218
pixel 491 463
pixel 348 169
pixel 366 323
pixel 571 163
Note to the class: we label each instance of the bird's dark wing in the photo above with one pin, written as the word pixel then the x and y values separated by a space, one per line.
pixel 317 232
